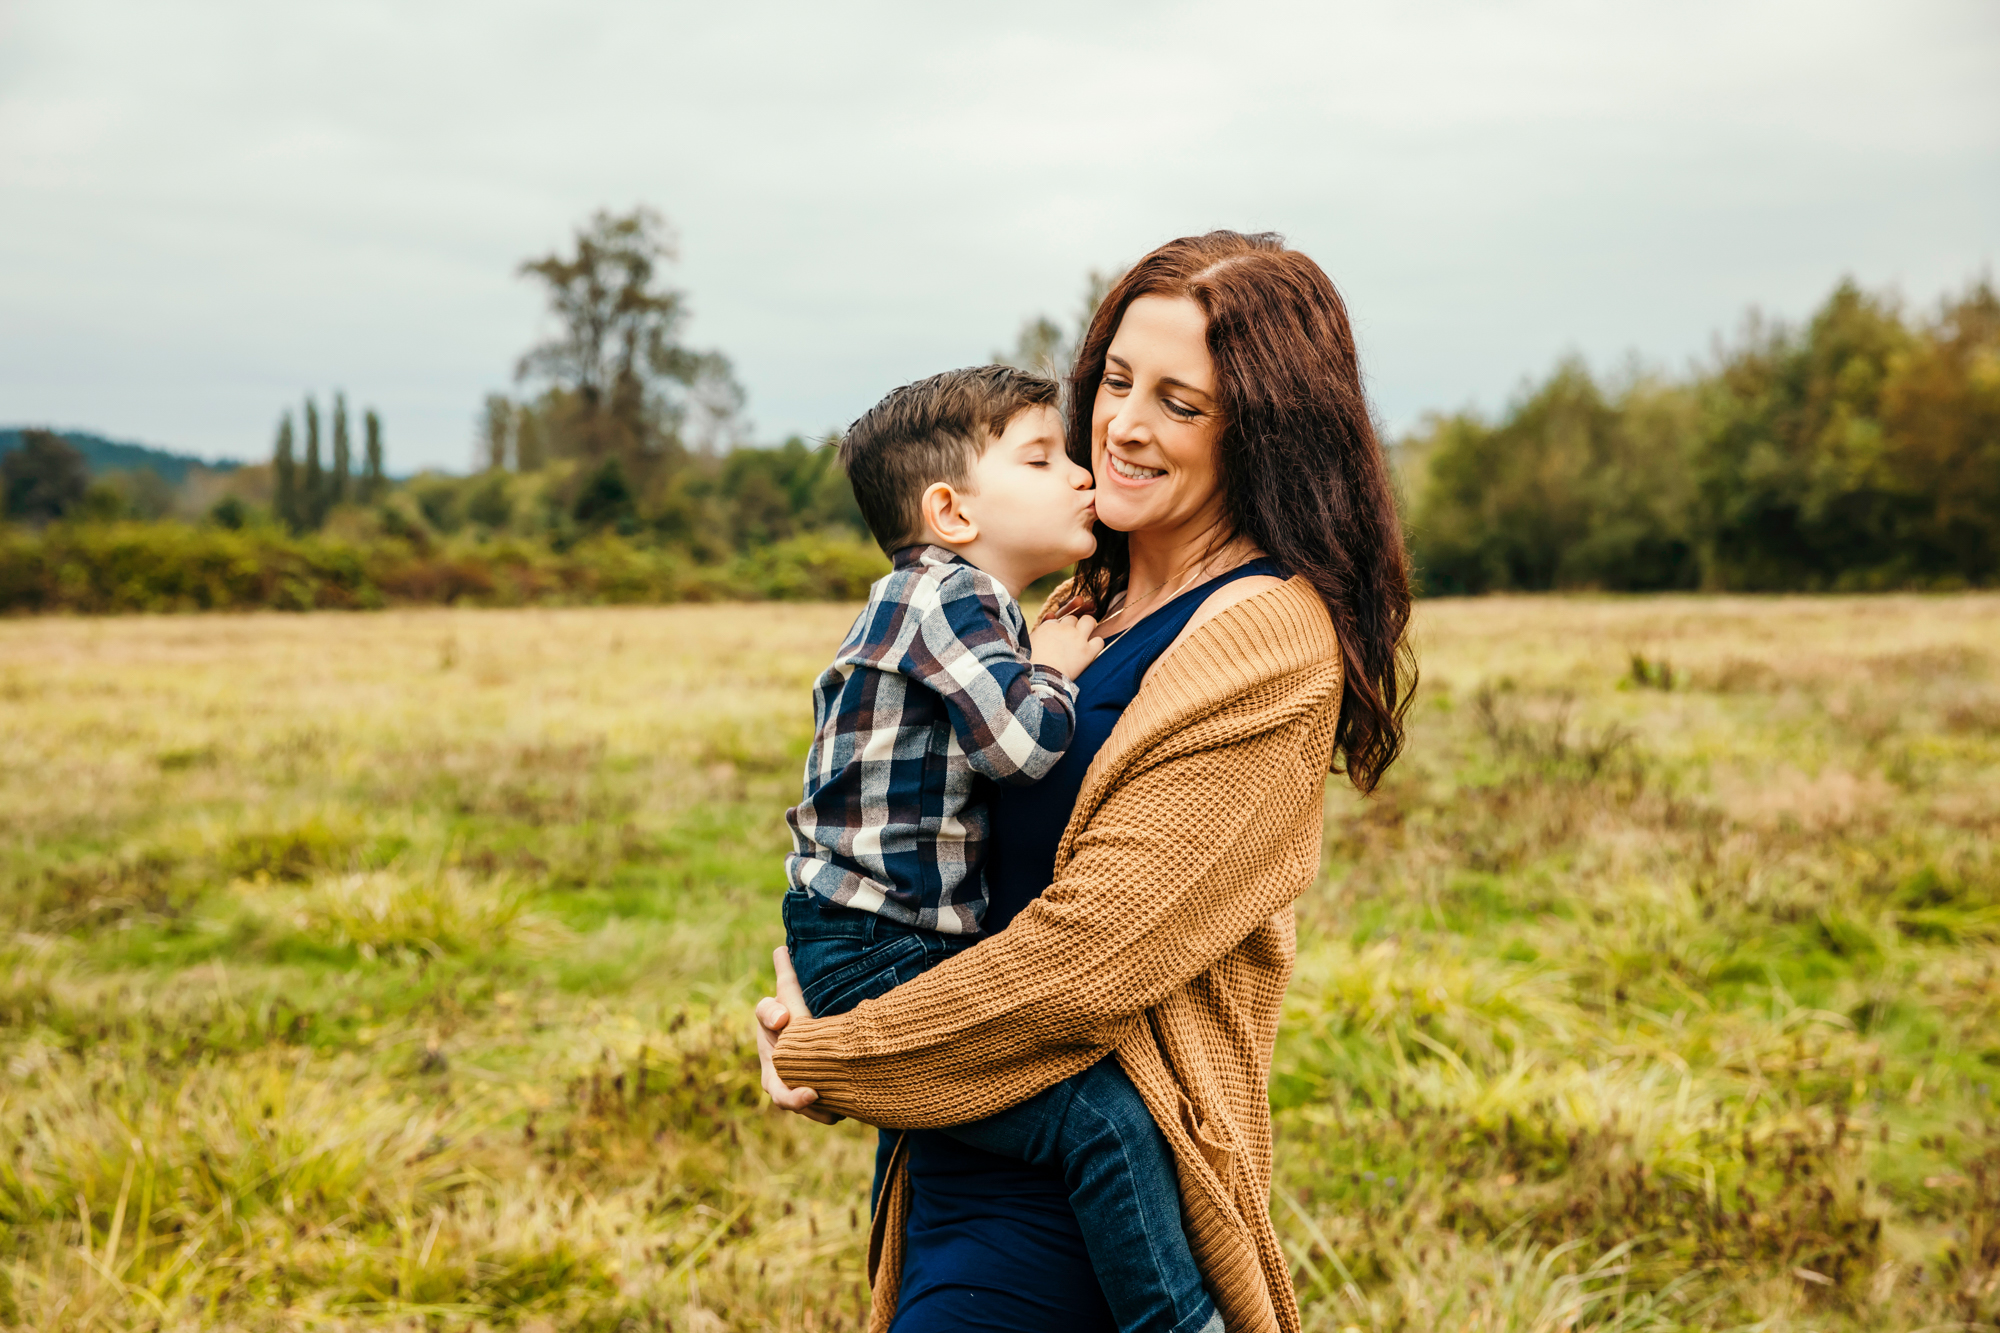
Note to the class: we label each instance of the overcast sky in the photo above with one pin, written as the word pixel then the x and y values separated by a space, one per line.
pixel 209 209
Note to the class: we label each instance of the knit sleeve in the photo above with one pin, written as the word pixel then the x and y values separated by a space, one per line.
pixel 1177 866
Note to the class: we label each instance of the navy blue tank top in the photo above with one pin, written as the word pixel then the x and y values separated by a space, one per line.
pixel 992 1242
pixel 1028 822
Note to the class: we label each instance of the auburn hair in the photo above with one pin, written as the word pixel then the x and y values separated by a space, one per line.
pixel 1302 473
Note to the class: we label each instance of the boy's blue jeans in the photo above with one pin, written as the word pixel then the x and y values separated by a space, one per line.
pixel 1093 1127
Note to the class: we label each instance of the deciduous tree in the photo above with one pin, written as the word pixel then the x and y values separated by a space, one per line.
pixel 1941 424
pixel 1856 451
pixel 630 389
pixel 44 479
pixel 531 438
pixel 496 432
pixel 1045 346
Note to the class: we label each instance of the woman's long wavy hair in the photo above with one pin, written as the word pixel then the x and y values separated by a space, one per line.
pixel 1302 473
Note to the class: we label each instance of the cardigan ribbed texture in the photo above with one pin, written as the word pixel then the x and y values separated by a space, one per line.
pixel 1166 937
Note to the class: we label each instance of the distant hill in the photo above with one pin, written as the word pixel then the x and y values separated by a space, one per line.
pixel 104 455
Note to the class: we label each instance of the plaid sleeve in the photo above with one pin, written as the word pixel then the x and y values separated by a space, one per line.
pixel 1013 718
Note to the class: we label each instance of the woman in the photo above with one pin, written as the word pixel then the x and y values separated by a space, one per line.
pixel 1252 588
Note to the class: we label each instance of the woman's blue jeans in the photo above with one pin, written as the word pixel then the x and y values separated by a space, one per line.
pixel 1092 1127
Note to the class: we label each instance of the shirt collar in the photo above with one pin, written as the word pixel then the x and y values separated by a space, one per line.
pixel 925 553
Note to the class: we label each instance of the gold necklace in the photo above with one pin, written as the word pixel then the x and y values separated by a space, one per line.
pixel 1184 584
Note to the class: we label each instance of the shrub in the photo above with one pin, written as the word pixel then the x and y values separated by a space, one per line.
pixel 109 568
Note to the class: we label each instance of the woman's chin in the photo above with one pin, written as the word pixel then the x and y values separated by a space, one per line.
pixel 1121 518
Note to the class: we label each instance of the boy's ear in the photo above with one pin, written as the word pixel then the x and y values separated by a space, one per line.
pixel 943 512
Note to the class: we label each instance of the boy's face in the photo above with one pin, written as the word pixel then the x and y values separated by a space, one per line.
pixel 1034 507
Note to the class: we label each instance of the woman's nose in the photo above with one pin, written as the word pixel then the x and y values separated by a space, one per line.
pixel 1125 427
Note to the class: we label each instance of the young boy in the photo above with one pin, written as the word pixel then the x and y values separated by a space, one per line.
pixel 964 480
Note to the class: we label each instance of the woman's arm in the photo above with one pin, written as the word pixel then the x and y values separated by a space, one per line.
pixel 1174 870
pixel 774 1014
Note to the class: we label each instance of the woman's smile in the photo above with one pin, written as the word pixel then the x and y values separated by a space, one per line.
pixel 1128 471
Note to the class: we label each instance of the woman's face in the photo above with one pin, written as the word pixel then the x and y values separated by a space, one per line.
pixel 1155 425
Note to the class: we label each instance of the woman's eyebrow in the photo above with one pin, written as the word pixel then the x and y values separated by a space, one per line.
pixel 1126 366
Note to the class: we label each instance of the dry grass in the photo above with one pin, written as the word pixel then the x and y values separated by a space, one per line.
pixel 389 972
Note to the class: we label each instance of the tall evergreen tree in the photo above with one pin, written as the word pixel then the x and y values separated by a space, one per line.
pixel 285 470
pixel 371 476
pixel 496 431
pixel 337 490
pixel 312 499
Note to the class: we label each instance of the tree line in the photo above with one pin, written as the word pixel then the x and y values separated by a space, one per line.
pixel 618 427
pixel 618 470
pixel 1859 450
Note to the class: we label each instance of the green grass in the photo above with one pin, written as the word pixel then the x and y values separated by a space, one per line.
pixel 392 971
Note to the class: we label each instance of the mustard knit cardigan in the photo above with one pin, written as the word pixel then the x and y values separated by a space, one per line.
pixel 1166 937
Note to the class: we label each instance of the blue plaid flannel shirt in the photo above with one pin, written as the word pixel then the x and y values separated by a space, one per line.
pixel 931 691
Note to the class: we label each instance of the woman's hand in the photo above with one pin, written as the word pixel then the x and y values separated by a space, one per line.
pixel 772 1016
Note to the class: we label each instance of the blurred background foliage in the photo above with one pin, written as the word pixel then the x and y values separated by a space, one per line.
pixel 619 472
pixel 1860 451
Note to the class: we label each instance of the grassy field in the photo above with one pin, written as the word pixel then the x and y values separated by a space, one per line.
pixel 391 971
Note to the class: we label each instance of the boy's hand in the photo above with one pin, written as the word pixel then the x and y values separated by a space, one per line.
pixel 1067 643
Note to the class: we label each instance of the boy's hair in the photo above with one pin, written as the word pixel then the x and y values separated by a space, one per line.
pixel 927 432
